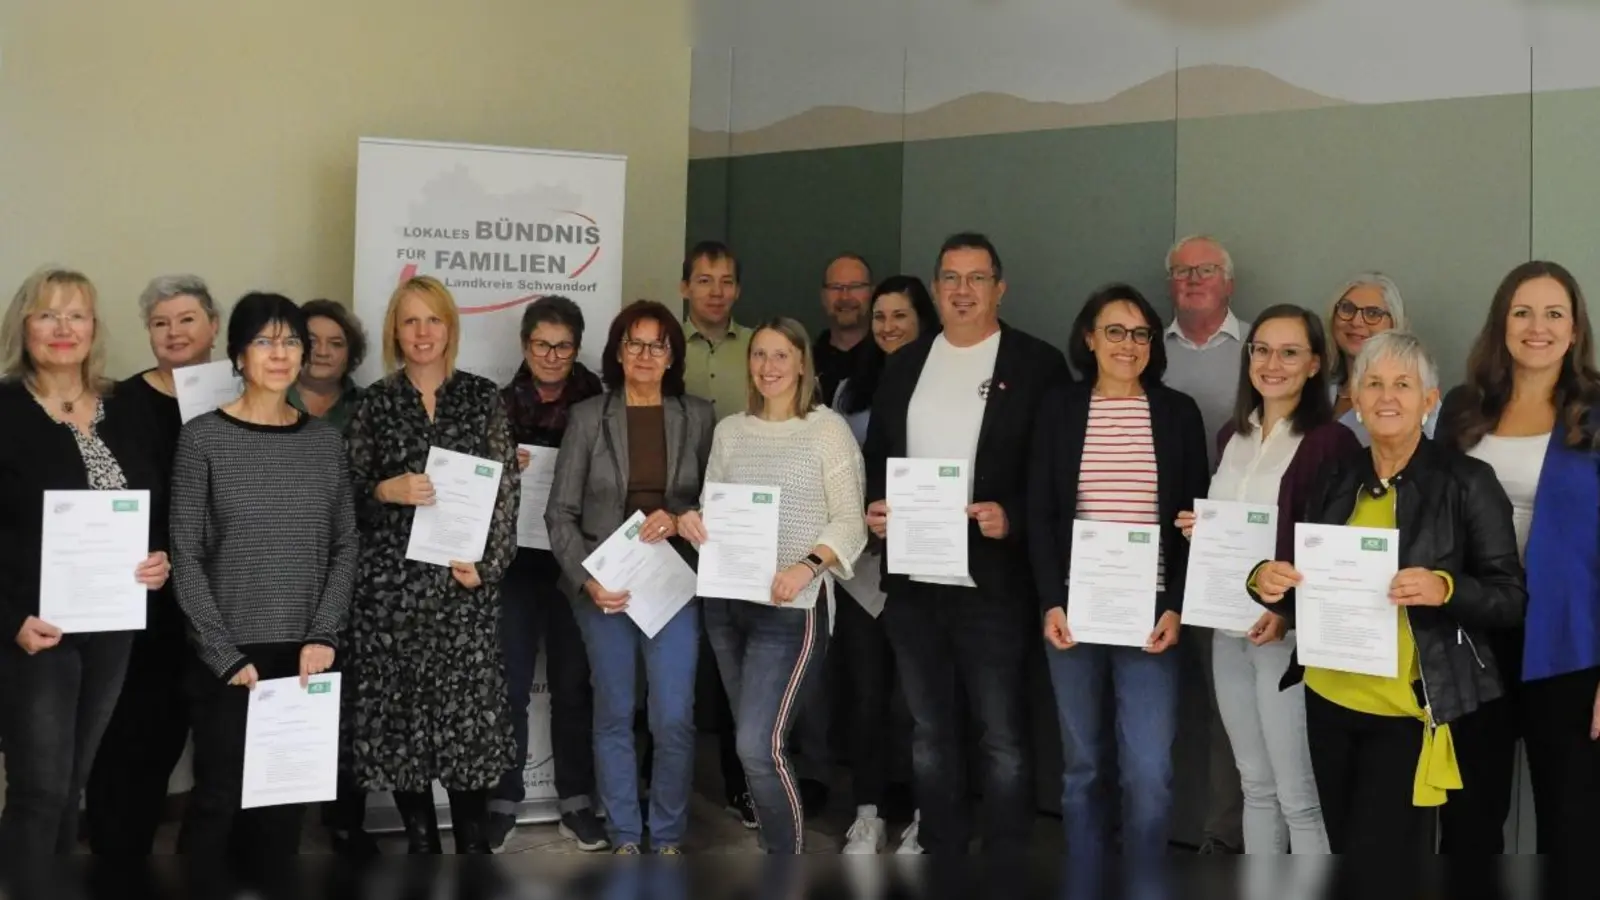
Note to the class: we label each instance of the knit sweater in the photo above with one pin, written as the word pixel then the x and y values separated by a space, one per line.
pixel 264 544
pixel 816 466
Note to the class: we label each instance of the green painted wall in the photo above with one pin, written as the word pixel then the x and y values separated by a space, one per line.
pixel 1566 183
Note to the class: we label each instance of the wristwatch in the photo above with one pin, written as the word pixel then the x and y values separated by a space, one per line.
pixel 814 563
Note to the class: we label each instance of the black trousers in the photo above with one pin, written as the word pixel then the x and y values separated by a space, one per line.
pixel 1563 761
pixel 1473 822
pixel 214 827
pixel 955 645
pixel 127 790
pixel 1365 768
pixel 868 662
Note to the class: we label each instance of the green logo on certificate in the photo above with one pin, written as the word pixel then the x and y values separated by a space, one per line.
pixel 760 498
pixel 634 531
pixel 319 687
pixel 485 471
pixel 1379 545
pixel 1258 518
pixel 1138 537
pixel 949 471
pixel 124 506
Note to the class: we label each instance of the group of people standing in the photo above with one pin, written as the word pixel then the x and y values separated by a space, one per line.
pixel 280 521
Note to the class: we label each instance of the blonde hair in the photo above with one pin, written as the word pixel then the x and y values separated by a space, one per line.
pixel 439 301
pixel 35 295
pixel 805 391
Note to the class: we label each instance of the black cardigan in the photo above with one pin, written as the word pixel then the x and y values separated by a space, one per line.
pixel 40 454
pixel 1182 474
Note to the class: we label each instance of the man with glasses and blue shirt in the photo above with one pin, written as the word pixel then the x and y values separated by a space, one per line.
pixel 969 392
pixel 1203 345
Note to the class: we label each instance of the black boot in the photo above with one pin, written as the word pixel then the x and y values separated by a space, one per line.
pixel 469 820
pixel 421 821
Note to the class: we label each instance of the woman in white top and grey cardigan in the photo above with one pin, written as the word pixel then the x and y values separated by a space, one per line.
pixel 767 650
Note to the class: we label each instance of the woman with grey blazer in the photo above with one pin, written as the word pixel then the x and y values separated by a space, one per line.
pixel 640 447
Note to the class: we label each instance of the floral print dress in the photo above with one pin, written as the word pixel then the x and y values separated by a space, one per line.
pixel 426 681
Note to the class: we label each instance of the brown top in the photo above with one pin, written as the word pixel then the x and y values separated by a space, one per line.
pixel 647 459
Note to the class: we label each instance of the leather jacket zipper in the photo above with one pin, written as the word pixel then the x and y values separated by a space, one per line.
pixel 1461 633
pixel 1422 673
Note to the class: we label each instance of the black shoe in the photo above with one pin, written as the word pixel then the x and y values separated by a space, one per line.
pixel 469 821
pixel 500 827
pixel 356 844
pixel 744 809
pixel 1215 847
pixel 813 797
pixel 582 828
pixel 421 821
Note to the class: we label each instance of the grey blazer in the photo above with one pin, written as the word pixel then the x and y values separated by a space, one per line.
pixel 591 478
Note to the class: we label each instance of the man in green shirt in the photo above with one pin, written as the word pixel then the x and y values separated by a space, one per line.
pixel 715 366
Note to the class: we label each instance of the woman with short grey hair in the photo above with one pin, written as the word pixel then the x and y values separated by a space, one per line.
pixel 127 789
pixel 1387 750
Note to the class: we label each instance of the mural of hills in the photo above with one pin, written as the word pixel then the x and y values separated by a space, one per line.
pixel 1193 92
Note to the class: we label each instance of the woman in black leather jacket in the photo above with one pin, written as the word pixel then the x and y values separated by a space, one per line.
pixel 1386 750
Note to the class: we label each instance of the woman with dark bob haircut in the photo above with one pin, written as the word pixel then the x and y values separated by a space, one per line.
pixel 642 447
pixel 261 495
pixel 338 346
pixel 1119 447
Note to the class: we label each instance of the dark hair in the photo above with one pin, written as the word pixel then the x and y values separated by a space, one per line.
pixel 711 251
pixel 1315 408
pixel 256 312
pixel 355 337
pixel 622 326
pixel 1082 357
pixel 1490 368
pixel 852 256
pixel 553 310
pixel 970 240
pixel 863 383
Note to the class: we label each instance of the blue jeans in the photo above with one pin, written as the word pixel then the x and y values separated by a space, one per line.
pixel 614 644
pixel 766 655
pixel 1145 689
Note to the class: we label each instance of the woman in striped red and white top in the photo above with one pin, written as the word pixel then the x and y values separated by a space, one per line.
pixel 1119 447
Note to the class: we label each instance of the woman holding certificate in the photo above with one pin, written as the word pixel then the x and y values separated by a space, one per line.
pixel 235 530
pixel 66 430
pixel 428 688
pixel 640 449
pixel 1281 436
pixel 1391 607
pixel 768 642
pixel 1529 410
pixel 1116 457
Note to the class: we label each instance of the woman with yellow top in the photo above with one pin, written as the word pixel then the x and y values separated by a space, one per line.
pixel 1382 749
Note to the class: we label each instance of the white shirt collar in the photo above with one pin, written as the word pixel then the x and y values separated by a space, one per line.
pixel 1231 327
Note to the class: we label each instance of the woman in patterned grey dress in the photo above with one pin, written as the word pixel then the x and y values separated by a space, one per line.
pixel 429 689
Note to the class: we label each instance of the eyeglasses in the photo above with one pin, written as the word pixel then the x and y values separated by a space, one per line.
pixel 952 281
pixel 267 345
pixel 1290 355
pixel 845 287
pixel 1184 273
pixel 562 351
pixel 1116 334
pixel 55 319
pixel 656 349
pixel 776 356
pixel 1371 315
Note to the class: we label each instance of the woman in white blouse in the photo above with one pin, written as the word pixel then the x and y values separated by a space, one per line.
pixel 1282 433
pixel 789 449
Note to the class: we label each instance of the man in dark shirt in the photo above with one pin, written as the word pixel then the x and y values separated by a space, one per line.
pixel 846 301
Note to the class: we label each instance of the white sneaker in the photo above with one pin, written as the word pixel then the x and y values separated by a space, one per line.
pixel 867 836
pixel 908 838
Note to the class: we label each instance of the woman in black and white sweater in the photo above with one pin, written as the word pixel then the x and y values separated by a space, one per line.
pixel 261 496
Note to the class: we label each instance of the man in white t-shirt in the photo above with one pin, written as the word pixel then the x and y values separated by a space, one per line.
pixel 970 392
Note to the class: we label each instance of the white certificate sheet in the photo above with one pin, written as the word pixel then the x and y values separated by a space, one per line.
pixel 658 581
pixel 1111 587
pixel 536 481
pixel 1230 540
pixel 927 501
pixel 740 557
pixel 456 527
pixel 205 387
pixel 93 542
pixel 291 742
pixel 1343 617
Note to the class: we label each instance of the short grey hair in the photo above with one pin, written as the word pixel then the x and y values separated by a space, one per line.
pixel 1227 258
pixel 164 287
pixel 1391 299
pixel 1402 347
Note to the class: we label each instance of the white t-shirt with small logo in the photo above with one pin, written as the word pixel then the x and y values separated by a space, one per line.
pixel 946 411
